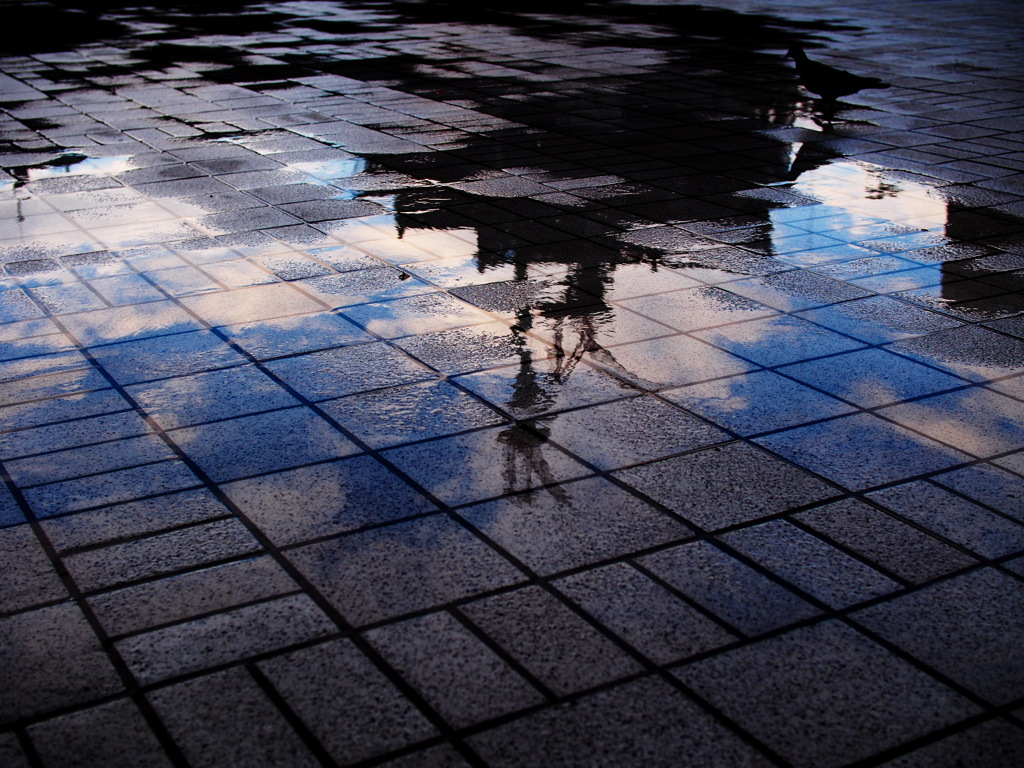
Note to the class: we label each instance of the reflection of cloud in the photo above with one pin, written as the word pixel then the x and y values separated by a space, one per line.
pixel 850 191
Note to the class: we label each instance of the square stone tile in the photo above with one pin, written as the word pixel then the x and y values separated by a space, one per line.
pixel 458 675
pixel 988 484
pixel 402 568
pixel 871 377
pixel 348 704
pixel 967 628
pixel 954 518
pixel 345 371
pixel 972 352
pixel 880 319
pixel 109 488
pixel 891 544
pixel 545 385
pixel 777 340
pixel 199 712
pixel 52 659
pixel 628 431
pixel 136 321
pixel 643 722
pixel 568 657
pixel 210 396
pixel 160 554
pixel 975 420
pixel 213 640
pixel 264 442
pixel 396 415
pixel 573 524
pixel 78 462
pixel 362 286
pixel 248 304
pixel 692 309
pixel 733 591
pixel 265 339
pixel 110 734
pixel 795 290
pixel 993 743
pixel 862 450
pixel 72 433
pixel 131 519
pixel 668 361
pixel 462 350
pixel 726 485
pixel 761 401
pixel 427 313
pixel 825 695
pixel 28 577
pixel 133 362
pixel 217 588
pixel 810 564
pixel 484 464
pixel 643 613
pixel 20 391
pixel 324 499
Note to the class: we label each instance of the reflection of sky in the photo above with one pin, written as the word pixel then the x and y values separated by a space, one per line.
pixel 90 166
pixel 851 191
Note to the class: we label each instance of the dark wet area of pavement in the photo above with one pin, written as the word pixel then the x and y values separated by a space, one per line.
pixel 401 383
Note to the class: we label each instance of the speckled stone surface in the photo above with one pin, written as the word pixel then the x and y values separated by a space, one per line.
pixel 439 385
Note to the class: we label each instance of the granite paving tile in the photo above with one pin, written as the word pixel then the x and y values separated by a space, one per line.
pixel 989 485
pixel 109 488
pixel 573 524
pixel 862 450
pixel 896 547
pixel 871 377
pixel 29 578
pixel 953 517
pixel 820 570
pixel 68 434
pixel 210 641
pixel 713 488
pixel 963 627
pixel 210 396
pixel 347 702
pixel 568 657
pixel 793 339
pixel 761 401
pixel 335 497
pixel 250 445
pixel 131 519
pixel 88 460
pixel 825 695
pixel 133 362
pixel 402 568
pixel 975 420
pixel 995 743
pixel 109 734
pixel 646 615
pixel 628 432
pixel 218 588
pixel 347 370
pixel 644 722
pixel 458 675
pixel 160 554
pixel 53 660
pixel 731 590
pixel 200 711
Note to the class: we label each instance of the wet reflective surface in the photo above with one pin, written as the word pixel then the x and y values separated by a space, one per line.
pixel 451 326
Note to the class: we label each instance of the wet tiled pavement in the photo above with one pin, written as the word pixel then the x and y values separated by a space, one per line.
pixel 544 384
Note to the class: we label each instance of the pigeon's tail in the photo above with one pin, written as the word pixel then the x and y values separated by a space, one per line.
pixel 874 82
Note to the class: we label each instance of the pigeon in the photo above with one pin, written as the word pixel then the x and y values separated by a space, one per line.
pixel 828 82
